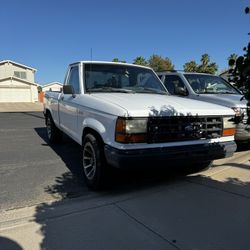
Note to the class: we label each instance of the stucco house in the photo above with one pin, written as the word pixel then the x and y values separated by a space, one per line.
pixel 17 82
pixel 53 86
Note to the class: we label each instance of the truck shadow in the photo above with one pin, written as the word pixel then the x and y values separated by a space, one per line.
pixel 73 230
pixel 243 146
pixel 70 153
pixel 8 244
pixel 119 180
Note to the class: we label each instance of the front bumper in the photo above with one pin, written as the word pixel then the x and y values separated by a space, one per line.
pixel 242 132
pixel 168 155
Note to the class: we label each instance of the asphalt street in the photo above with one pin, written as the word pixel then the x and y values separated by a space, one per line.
pixel 44 203
pixel 29 167
pixel 32 171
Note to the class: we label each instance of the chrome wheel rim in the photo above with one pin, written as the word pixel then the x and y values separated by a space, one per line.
pixel 89 161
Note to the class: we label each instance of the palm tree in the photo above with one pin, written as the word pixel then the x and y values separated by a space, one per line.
pixel 232 59
pixel 140 60
pixel 206 66
pixel 232 56
pixel 190 66
pixel 204 63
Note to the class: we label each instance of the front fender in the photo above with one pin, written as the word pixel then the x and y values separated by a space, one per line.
pixel 95 125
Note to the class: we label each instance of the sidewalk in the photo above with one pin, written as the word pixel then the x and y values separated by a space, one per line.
pixel 76 224
pixel 208 211
pixel 21 107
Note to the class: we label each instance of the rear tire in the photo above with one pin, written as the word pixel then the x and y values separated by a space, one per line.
pixel 94 162
pixel 54 134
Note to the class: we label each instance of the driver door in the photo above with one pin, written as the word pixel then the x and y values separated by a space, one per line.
pixel 68 106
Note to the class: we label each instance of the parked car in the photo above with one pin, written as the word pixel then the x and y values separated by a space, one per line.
pixel 122 116
pixel 213 89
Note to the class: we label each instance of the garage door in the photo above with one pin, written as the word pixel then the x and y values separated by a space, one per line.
pixel 15 95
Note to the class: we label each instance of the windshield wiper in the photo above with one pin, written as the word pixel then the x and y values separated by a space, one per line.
pixel 207 92
pixel 150 91
pixel 226 92
pixel 110 89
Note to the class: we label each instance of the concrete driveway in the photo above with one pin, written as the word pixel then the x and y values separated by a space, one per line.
pixel 151 210
pixel 20 107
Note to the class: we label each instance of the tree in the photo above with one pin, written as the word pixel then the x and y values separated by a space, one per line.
pixel 190 66
pixel 232 56
pixel 117 60
pixel 240 70
pixel 39 89
pixel 140 60
pixel 158 63
pixel 231 59
pixel 204 67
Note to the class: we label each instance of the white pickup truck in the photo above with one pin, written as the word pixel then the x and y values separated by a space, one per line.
pixel 122 116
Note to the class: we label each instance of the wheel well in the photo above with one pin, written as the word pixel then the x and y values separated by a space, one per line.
pixel 92 131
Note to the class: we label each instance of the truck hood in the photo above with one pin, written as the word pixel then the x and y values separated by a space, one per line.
pixel 228 100
pixel 144 105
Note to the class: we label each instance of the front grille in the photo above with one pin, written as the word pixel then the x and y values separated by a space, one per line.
pixel 182 128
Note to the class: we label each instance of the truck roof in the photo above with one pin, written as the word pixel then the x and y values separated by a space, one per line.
pixel 108 62
pixel 181 72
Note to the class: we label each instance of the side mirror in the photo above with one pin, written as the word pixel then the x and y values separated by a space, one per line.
pixel 181 91
pixel 69 90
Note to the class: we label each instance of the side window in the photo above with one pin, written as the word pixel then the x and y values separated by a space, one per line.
pixel 74 79
pixel 20 74
pixel 173 82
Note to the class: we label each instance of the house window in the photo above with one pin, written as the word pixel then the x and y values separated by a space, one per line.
pixel 20 74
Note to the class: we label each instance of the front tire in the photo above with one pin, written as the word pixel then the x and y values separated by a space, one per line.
pixel 94 162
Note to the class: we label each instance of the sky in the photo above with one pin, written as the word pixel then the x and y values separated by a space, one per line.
pixel 48 35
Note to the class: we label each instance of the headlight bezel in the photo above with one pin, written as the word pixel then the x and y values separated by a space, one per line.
pixel 131 130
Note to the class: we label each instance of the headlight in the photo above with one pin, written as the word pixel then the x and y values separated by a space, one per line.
pixel 131 130
pixel 228 126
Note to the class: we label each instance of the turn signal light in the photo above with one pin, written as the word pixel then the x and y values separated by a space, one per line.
pixel 228 131
pixel 133 138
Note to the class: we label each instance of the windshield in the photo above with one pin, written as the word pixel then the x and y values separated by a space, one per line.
pixel 208 84
pixel 121 78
